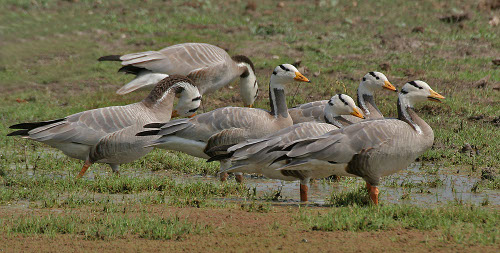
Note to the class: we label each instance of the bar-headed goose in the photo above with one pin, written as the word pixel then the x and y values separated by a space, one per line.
pixel 253 156
pixel 371 82
pixel 107 135
pixel 210 67
pixel 229 125
pixel 369 149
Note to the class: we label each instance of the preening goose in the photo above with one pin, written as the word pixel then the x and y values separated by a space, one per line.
pixel 370 83
pixel 253 156
pixel 229 125
pixel 209 66
pixel 369 149
pixel 107 135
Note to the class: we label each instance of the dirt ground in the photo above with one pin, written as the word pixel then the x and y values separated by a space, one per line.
pixel 241 231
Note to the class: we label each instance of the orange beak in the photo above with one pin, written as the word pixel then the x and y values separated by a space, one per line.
pixel 355 112
pixel 301 78
pixel 389 86
pixel 436 97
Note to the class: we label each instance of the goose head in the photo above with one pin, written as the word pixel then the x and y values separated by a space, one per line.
pixel 374 81
pixel 286 73
pixel 248 81
pixel 189 100
pixel 418 91
pixel 342 104
pixel 180 86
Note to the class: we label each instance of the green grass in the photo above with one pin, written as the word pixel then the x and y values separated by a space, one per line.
pixel 48 55
pixel 463 224
pixel 58 191
pixel 50 48
pixel 108 227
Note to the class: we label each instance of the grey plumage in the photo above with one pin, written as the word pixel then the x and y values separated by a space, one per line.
pixel 209 66
pixel 370 149
pixel 107 134
pixel 313 111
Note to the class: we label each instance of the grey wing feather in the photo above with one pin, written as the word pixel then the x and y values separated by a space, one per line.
pixel 226 137
pixel 257 150
pixel 85 127
pixel 179 59
pixel 173 126
pixel 340 145
pixel 313 111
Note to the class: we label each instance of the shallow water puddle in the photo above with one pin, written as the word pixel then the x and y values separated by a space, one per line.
pixel 415 185
pixel 412 186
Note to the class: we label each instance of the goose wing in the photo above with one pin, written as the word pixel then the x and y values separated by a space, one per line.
pixel 86 127
pixel 299 131
pixel 182 59
pixel 313 111
pixel 339 146
pixel 254 123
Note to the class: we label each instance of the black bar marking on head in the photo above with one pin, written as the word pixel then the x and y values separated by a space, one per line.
pixel 404 91
pixel 196 98
pixel 373 74
pixel 193 110
pixel 342 99
pixel 415 84
pixel 284 68
pixel 274 72
pixel 364 78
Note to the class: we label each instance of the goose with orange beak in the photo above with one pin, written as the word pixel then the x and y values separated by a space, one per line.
pixel 228 126
pixel 369 149
pixel 370 83
pixel 252 156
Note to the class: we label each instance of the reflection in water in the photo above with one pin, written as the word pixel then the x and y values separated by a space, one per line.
pixel 411 186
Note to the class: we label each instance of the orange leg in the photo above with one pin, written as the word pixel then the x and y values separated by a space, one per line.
pixel 303 192
pixel 239 178
pixel 85 167
pixel 223 176
pixel 373 190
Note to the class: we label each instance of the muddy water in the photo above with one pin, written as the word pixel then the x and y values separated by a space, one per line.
pixel 410 186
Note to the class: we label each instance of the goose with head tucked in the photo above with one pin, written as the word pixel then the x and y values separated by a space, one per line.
pixel 108 135
pixel 253 156
pixel 210 67
pixel 370 83
pixel 369 149
pixel 227 126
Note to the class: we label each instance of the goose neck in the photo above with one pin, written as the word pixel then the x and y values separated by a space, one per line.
pixel 366 101
pixel 163 106
pixel 407 114
pixel 277 99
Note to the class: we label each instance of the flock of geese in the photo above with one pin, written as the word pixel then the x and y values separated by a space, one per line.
pixel 313 140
